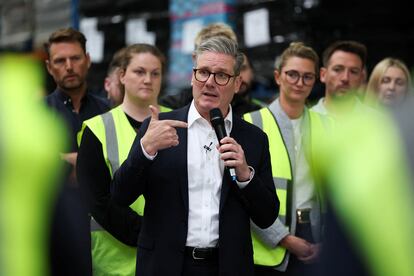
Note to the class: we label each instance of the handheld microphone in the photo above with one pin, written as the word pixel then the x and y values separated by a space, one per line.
pixel 217 121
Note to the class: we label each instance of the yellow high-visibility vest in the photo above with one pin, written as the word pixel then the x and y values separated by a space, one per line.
pixel 113 130
pixel 30 169
pixel 369 184
pixel 282 176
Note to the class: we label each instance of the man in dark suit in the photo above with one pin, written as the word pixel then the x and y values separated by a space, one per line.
pixel 196 218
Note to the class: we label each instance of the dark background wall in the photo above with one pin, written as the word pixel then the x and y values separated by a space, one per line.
pixel 385 27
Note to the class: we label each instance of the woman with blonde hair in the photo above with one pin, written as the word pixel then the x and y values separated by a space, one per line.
pixel 389 83
pixel 292 244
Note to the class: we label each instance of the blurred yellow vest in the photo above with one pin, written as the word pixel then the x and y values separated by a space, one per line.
pixel 30 142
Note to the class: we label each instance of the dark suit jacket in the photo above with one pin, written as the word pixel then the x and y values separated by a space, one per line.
pixel 164 184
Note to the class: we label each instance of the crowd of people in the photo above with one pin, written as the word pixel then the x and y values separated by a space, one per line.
pixel 214 182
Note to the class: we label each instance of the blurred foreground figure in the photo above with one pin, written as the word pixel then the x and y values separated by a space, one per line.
pixel 30 141
pixel 365 174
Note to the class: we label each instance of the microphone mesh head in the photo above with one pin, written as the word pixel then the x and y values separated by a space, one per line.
pixel 216 117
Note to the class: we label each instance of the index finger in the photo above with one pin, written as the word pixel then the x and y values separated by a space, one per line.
pixel 228 140
pixel 176 123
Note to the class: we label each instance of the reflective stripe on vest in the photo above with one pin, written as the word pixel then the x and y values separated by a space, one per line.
pixel 107 128
pixel 94 225
pixel 111 141
pixel 282 176
pixel 113 130
pixel 112 151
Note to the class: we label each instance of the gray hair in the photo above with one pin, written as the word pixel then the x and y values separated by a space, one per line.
pixel 222 45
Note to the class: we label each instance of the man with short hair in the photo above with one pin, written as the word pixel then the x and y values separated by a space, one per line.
pixel 197 217
pixel 68 63
pixel 112 84
pixel 185 96
pixel 343 72
pixel 243 101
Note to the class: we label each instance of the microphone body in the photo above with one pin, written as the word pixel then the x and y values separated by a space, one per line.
pixel 217 121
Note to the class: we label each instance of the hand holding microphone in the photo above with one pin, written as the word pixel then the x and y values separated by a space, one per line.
pixel 231 152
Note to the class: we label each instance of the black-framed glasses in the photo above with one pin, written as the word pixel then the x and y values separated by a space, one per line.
pixel 220 78
pixel 293 76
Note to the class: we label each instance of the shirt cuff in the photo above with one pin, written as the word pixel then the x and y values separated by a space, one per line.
pixel 149 157
pixel 244 183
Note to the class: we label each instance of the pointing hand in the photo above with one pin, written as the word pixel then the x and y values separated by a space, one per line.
pixel 161 134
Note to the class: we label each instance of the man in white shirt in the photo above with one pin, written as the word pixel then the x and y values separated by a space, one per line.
pixel 196 218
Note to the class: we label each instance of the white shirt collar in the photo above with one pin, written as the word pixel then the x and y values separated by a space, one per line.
pixel 194 115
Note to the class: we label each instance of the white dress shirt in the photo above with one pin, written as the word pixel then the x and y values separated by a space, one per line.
pixel 205 174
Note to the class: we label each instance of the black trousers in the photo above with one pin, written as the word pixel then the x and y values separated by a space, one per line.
pixel 200 267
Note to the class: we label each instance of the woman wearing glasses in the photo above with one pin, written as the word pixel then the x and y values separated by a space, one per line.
pixel 291 245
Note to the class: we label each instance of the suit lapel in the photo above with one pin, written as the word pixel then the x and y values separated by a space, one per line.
pixel 236 133
pixel 225 188
pixel 178 154
pixel 181 157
